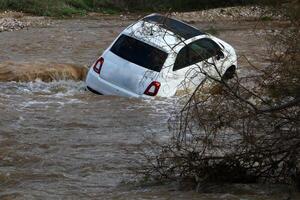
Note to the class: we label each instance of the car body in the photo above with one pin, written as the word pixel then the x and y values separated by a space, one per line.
pixel 158 55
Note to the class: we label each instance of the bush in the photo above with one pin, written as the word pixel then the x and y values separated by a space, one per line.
pixel 238 131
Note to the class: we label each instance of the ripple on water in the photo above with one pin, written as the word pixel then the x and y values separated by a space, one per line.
pixel 38 87
pixel 60 128
pixel 58 140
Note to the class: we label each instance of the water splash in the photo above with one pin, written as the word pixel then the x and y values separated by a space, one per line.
pixel 38 87
pixel 47 72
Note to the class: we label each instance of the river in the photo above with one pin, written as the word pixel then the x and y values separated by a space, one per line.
pixel 59 141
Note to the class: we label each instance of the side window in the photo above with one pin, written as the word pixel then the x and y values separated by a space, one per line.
pixel 182 59
pixel 196 52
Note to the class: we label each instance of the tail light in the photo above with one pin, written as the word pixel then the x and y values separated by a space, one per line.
pixel 98 65
pixel 152 89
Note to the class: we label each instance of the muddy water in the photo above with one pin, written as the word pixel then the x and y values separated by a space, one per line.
pixel 58 141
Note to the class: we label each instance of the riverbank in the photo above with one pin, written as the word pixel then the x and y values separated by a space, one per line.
pixel 61 8
pixel 12 21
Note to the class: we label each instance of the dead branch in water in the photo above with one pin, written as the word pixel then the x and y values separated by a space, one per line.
pixel 247 131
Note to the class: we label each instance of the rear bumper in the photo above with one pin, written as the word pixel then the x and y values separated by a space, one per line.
pixel 98 85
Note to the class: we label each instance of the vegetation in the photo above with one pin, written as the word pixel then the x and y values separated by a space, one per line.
pixel 72 7
pixel 243 130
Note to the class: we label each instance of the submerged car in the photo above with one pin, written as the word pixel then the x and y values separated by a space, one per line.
pixel 157 56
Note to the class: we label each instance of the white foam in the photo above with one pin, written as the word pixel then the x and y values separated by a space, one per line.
pixel 56 88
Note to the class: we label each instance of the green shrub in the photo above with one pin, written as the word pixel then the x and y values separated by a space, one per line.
pixel 79 4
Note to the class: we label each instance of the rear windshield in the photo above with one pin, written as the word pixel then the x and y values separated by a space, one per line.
pixel 139 53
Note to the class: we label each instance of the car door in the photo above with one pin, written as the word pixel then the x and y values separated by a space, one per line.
pixel 196 60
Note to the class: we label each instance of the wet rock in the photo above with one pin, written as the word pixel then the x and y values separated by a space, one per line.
pixel 13 21
pixel 11 24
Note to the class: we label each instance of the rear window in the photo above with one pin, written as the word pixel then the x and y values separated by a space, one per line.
pixel 139 53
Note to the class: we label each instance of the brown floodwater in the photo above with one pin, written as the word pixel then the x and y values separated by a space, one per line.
pixel 59 141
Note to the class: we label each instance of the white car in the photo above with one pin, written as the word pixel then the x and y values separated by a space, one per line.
pixel 157 56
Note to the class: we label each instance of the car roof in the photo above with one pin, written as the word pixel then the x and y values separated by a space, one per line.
pixel 162 32
pixel 179 28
